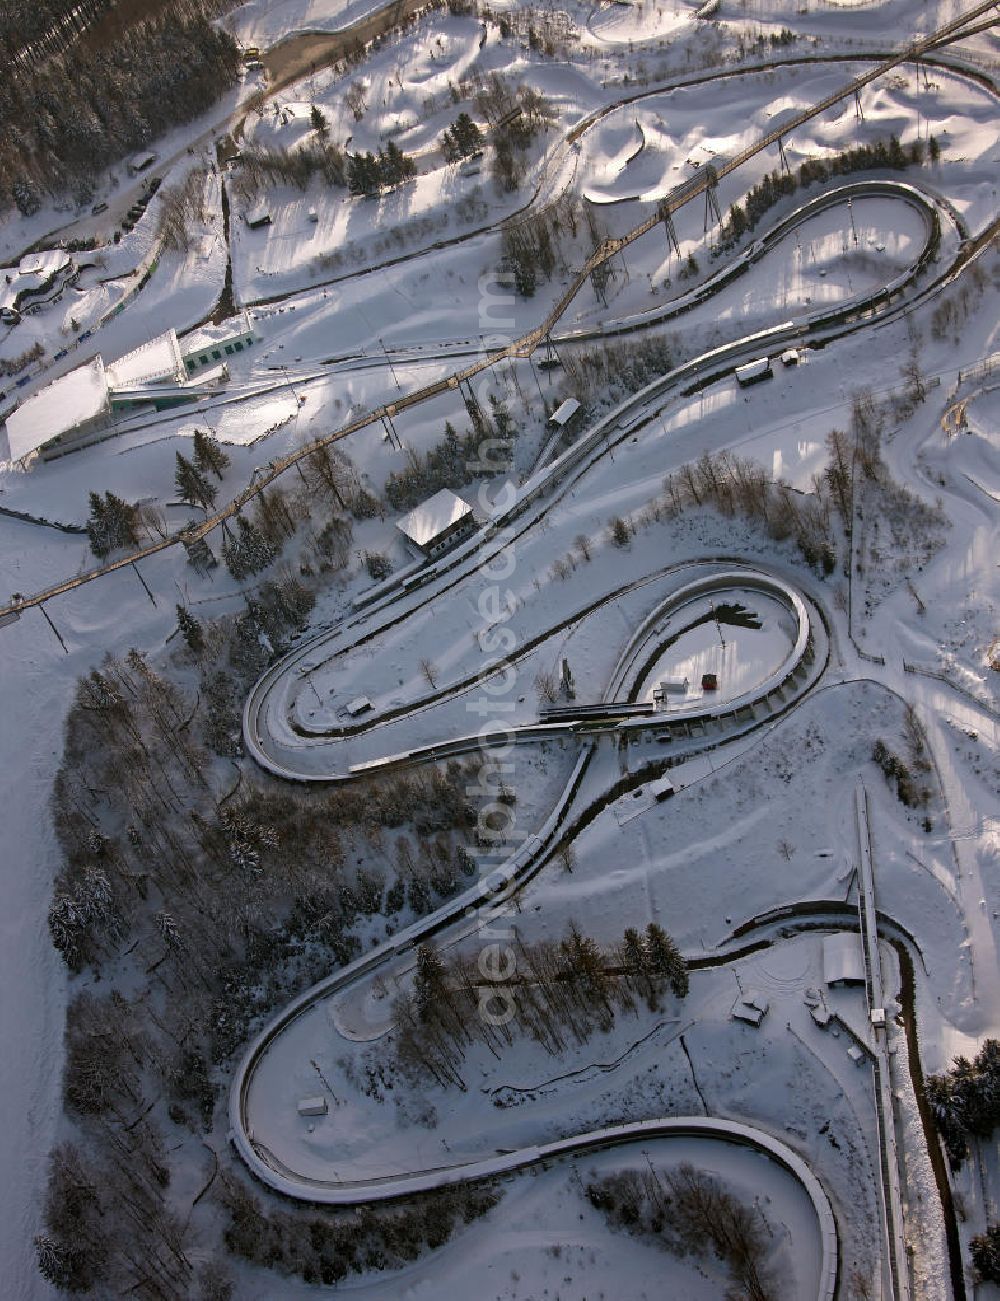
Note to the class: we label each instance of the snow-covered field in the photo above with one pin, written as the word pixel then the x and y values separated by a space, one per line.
pixel 375 298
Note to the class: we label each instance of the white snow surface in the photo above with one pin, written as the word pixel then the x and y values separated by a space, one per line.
pixel 712 856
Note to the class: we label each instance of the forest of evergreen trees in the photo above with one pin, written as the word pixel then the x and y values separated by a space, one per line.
pixel 965 1100
pixel 69 107
pixel 457 459
pixel 763 196
pixel 558 993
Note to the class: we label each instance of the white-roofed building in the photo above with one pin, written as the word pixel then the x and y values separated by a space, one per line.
pixel 67 409
pixel 439 523
pixel 843 959
pixel 564 413
pixel 210 345
pixel 753 372
pixel 156 362
pixel 751 1008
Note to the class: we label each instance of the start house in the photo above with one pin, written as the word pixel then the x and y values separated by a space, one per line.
pixel 441 522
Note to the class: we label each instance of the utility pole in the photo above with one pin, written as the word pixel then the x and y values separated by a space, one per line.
pixel 392 368
pixel 291 387
pixel 541 396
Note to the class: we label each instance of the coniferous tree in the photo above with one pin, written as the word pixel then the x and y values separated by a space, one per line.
pixel 363 175
pixel 449 147
pixel 233 555
pixel 97 527
pixel 208 454
pixel 191 485
pixel 467 136
pixel 501 417
pixel 636 963
pixel 258 552
pixel 123 520
pixel 620 534
pixel 665 959
pixel 985 1251
pixel 112 523
pixel 394 166
pixel 191 630
pixel 319 123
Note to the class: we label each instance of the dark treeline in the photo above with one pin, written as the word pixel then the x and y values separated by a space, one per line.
pixel 66 115
pixel 326 1247
pixel 194 897
pixel 775 185
pixel 533 246
pixel 692 1213
pixel 27 23
pixel 230 902
pixel 556 993
pixel 965 1100
pixel 485 450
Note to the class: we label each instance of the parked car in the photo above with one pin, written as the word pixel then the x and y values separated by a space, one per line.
pixel 63 352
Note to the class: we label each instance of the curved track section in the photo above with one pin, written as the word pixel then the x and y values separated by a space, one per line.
pixel 632 413
pixel 642 643
pixel 816 329
pixel 644 1131
pixel 525 346
pixel 505 880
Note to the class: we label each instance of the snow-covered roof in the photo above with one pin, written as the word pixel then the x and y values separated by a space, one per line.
pixel 211 336
pixel 750 1010
pixel 430 520
pixel 753 369
pixel 157 359
pixel 65 404
pixel 843 958
pixel 565 412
